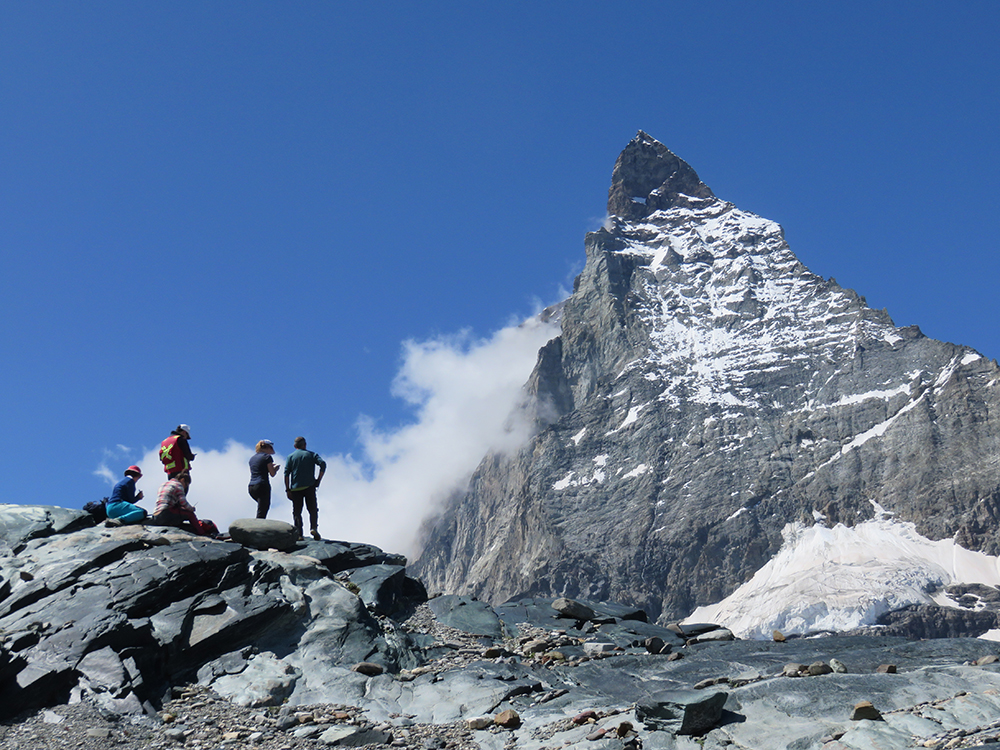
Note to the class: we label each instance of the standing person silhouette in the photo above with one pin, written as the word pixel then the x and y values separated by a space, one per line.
pixel 262 468
pixel 301 483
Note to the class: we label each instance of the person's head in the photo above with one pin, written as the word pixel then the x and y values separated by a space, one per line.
pixel 300 443
pixel 183 429
pixel 133 471
pixel 184 478
pixel 265 446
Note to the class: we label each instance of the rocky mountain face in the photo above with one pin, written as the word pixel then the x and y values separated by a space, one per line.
pixel 707 389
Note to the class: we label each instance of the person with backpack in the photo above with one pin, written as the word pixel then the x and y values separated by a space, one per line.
pixel 122 503
pixel 301 483
pixel 175 451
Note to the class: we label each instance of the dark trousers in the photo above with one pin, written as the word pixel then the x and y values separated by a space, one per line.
pixel 261 492
pixel 184 520
pixel 308 496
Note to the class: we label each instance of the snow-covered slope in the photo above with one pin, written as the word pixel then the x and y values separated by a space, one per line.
pixel 840 578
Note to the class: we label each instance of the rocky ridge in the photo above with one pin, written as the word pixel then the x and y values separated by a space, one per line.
pixel 134 637
pixel 706 390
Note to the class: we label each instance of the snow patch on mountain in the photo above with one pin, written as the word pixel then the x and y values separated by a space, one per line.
pixel 841 578
pixel 729 300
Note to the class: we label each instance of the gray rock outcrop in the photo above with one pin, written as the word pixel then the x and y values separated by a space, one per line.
pixel 209 642
pixel 707 389
pixel 122 613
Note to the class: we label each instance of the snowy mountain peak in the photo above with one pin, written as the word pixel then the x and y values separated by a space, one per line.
pixel 706 391
pixel 648 177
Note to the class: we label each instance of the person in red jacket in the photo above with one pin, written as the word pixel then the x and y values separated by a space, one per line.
pixel 175 451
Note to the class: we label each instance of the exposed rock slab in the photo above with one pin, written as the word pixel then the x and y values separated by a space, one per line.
pixel 467 614
pixel 121 613
pixel 120 617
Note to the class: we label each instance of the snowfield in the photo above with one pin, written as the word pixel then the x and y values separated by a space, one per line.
pixel 841 578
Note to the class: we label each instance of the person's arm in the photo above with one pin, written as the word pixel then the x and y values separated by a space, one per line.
pixel 322 469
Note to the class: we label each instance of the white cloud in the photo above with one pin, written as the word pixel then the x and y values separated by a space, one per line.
pixel 104 471
pixel 112 455
pixel 463 391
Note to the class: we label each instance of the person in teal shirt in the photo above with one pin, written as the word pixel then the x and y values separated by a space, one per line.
pixel 122 503
pixel 301 483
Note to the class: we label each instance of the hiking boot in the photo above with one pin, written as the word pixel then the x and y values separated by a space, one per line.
pixel 315 533
pixel 113 522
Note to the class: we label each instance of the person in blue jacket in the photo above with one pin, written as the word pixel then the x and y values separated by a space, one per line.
pixel 122 503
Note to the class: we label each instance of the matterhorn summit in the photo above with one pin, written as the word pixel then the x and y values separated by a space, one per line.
pixel 705 392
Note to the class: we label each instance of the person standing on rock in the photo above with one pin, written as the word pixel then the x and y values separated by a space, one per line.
pixel 301 483
pixel 262 468
pixel 122 503
pixel 175 452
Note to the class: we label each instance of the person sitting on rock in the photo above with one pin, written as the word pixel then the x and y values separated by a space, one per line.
pixel 122 503
pixel 173 509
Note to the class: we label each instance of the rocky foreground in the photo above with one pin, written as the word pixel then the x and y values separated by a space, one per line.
pixel 136 637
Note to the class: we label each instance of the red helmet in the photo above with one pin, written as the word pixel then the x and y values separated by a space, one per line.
pixel 134 470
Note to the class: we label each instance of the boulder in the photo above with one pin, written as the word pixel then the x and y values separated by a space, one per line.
pixel 385 589
pixel 682 711
pixel 508 719
pixel 865 710
pixel 262 533
pixel 368 669
pixel 719 634
pixel 598 647
pixel 654 644
pixel 794 670
pixel 573 609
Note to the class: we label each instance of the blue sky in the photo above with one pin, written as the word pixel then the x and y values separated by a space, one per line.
pixel 274 219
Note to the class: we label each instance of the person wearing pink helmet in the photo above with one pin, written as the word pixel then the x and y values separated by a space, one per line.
pixel 122 503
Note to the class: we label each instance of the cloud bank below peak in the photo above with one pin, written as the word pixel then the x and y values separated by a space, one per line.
pixel 463 391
